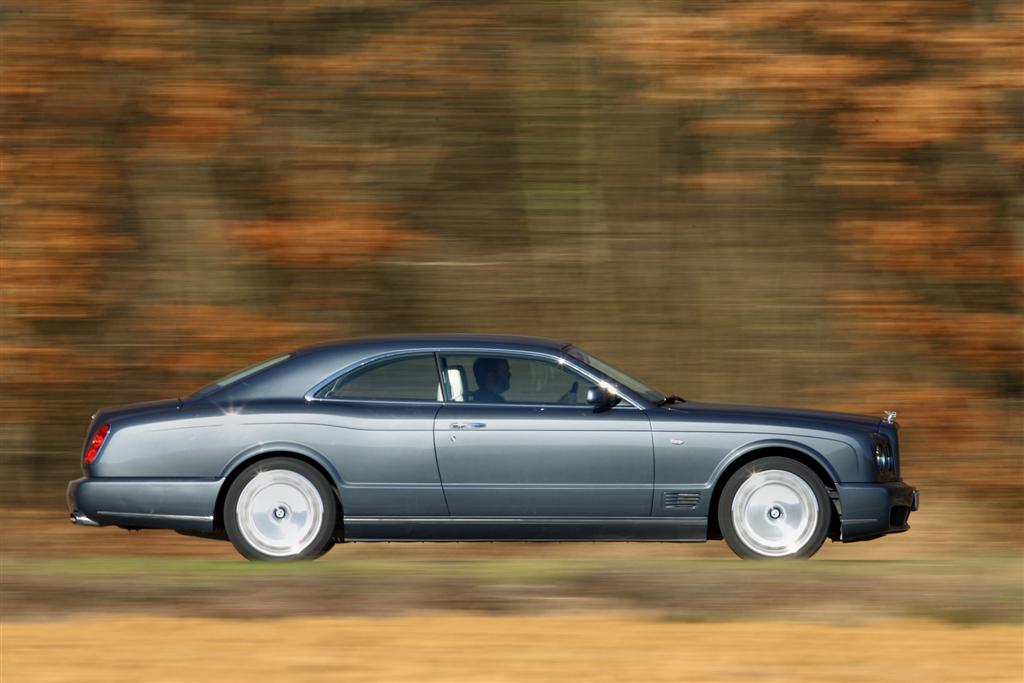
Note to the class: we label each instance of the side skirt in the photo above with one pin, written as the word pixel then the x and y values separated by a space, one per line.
pixel 690 529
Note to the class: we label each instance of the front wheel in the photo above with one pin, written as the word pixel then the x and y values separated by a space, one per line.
pixel 774 508
pixel 280 509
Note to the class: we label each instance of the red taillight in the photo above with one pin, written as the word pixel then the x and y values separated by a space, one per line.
pixel 97 441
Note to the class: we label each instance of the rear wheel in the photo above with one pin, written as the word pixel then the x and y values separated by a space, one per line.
pixel 774 508
pixel 280 509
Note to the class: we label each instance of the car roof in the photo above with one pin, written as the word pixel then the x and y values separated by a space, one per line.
pixel 310 364
pixel 453 341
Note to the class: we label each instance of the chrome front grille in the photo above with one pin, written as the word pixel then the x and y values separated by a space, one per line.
pixel 896 453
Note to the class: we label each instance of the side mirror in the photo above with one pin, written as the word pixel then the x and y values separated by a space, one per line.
pixel 601 397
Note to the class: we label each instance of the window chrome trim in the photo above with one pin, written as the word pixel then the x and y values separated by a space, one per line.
pixel 388 401
pixel 310 395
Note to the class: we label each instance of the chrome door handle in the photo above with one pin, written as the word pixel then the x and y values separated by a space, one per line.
pixel 467 425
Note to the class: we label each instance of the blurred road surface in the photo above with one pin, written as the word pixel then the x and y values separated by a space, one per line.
pixel 445 648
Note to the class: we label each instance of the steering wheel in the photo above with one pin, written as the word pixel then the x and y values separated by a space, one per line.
pixel 569 397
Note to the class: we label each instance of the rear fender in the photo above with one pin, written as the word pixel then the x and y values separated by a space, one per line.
pixel 282 448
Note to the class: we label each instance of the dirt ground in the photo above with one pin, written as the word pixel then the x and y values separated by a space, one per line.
pixel 452 648
pixel 86 605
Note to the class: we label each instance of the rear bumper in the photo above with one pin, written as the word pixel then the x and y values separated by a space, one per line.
pixel 871 510
pixel 181 504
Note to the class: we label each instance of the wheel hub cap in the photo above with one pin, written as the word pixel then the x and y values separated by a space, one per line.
pixel 279 512
pixel 775 512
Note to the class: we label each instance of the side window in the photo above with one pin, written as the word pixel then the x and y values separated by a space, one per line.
pixel 498 378
pixel 409 378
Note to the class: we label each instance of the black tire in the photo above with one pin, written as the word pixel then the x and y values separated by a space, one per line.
pixel 317 538
pixel 742 535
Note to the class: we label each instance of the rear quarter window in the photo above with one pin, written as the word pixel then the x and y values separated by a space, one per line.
pixel 409 378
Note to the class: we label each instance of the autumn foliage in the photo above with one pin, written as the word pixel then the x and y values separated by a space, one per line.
pixel 777 202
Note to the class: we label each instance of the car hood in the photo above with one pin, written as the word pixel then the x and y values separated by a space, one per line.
pixel 761 414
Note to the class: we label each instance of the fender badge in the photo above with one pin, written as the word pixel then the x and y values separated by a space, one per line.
pixel 676 442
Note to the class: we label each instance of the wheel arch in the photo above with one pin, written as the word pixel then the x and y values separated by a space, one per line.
pixel 266 452
pixel 793 451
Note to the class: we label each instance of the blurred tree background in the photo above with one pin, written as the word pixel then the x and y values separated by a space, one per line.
pixel 784 202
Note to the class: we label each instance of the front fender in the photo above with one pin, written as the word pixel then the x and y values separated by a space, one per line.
pixel 836 458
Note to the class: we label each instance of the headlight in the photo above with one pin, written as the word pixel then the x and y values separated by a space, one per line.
pixel 883 454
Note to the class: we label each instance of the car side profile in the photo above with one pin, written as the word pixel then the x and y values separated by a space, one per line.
pixel 482 438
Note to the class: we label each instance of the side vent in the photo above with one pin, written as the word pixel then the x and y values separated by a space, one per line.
pixel 680 500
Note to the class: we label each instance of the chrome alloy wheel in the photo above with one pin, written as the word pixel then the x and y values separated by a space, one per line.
pixel 775 512
pixel 279 512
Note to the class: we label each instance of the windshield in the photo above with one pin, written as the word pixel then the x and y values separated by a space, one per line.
pixel 616 375
pixel 241 374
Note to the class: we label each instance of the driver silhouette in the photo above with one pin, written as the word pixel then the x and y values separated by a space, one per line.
pixel 493 378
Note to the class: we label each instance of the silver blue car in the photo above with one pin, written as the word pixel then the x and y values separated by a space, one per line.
pixel 482 438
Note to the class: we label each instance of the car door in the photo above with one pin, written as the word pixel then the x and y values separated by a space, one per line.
pixel 375 422
pixel 516 438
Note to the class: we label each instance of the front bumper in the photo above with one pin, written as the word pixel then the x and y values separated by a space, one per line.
pixel 181 504
pixel 871 510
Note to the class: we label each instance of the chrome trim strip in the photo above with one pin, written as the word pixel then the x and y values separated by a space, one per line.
pixel 310 399
pixel 527 520
pixel 544 486
pixel 150 515
pixel 560 360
